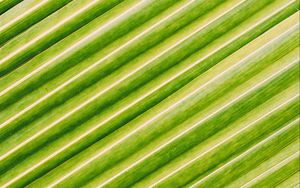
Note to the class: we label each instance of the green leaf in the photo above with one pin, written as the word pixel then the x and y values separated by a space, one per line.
pixel 113 93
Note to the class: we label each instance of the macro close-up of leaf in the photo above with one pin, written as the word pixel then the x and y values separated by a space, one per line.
pixel 149 93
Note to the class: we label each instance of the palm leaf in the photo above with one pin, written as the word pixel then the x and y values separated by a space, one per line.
pixel 112 93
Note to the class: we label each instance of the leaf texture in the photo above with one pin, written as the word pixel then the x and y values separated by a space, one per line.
pixel 147 93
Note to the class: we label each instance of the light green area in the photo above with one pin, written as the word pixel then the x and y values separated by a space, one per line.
pixel 292 182
pixel 267 168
